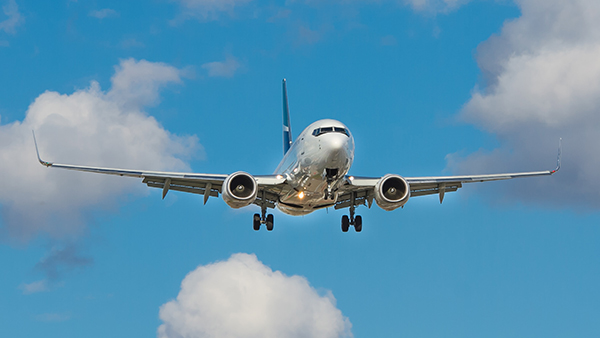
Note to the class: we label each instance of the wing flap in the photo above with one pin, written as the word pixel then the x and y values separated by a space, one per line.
pixel 192 183
pixel 193 190
pixel 190 186
pixel 264 196
pixel 354 198
pixel 432 189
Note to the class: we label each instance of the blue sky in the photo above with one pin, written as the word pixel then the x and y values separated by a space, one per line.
pixel 432 87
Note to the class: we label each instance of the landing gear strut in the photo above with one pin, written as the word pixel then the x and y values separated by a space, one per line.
pixel 329 192
pixel 356 221
pixel 263 219
pixel 330 175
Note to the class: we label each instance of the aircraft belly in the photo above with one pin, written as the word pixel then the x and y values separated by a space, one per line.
pixel 305 168
pixel 305 206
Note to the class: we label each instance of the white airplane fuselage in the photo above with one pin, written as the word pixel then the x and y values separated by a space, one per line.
pixel 315 165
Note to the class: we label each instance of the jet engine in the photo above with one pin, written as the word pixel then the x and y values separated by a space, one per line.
pixel 391 192
pixel 239 190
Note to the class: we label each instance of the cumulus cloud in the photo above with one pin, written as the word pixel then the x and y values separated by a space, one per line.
pixel 225 68
pixel 103 13
pixel 207 10
pixel 542 78
pixel 92 127
pixel 241 297
pixel 14 18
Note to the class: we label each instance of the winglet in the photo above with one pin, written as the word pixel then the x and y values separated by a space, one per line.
pixel 558 157
pixel 44 163
pixel 287 130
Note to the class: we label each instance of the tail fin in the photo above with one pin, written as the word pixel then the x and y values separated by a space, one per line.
pixel 287 129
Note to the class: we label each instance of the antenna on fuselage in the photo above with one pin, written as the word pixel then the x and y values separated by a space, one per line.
pixel 287 129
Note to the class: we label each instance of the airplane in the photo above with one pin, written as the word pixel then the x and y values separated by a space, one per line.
pixel 312 175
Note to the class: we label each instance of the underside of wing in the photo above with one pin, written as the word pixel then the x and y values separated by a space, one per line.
pixel 357 190
pixel 363 188
pixel 266 188
pixel 208 185
pixel 421 186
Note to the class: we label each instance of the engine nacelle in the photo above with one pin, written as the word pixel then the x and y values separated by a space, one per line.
pixel 391 192
pixel 239 190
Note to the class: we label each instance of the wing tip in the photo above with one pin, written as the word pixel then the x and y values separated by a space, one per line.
pixel 44 163
pixel 558 157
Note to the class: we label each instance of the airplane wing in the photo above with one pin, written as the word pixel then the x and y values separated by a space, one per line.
pixel 203 184
pixel 360 190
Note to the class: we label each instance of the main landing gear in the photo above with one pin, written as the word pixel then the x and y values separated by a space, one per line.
pixel 264 219
pixel 352 220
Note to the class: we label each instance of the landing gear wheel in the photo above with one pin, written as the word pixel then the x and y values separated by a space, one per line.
pixel 270 222
pixel 358 223
pixel 256 224
pixel 345 223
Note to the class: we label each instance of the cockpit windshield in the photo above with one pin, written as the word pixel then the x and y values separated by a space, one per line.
pixel 321 131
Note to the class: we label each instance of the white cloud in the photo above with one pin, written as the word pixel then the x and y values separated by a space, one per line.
pixel 435 5
pixel 137 83
pixel 34 287
pixel 11 10
pixel 89 127
pixel 243 298
pixel 225 68
pixel 543 82
pixel 131 43
pixel 206 10
pixel 103 13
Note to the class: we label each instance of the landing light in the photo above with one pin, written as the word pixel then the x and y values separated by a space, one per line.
pixel 351 178
pixel 301 195
pixel 279 177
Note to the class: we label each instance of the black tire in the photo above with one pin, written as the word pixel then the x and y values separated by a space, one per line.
pixel 358 223
pixel 270 221
pixel 345 223
pixel 256 223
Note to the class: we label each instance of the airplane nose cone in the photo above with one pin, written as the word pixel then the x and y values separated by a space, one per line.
pixel 337 142
pixel 337 149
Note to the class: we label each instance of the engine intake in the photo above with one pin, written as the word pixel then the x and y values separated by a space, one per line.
pixel 391 192
pixel 239 190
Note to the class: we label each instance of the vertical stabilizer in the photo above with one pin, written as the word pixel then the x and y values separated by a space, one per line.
pixel 287 129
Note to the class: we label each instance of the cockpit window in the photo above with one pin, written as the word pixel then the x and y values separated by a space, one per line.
pixel 321 131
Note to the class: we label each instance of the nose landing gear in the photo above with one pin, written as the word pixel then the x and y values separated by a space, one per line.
pixel 330 175
pixel 329 192
pixel 352 220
